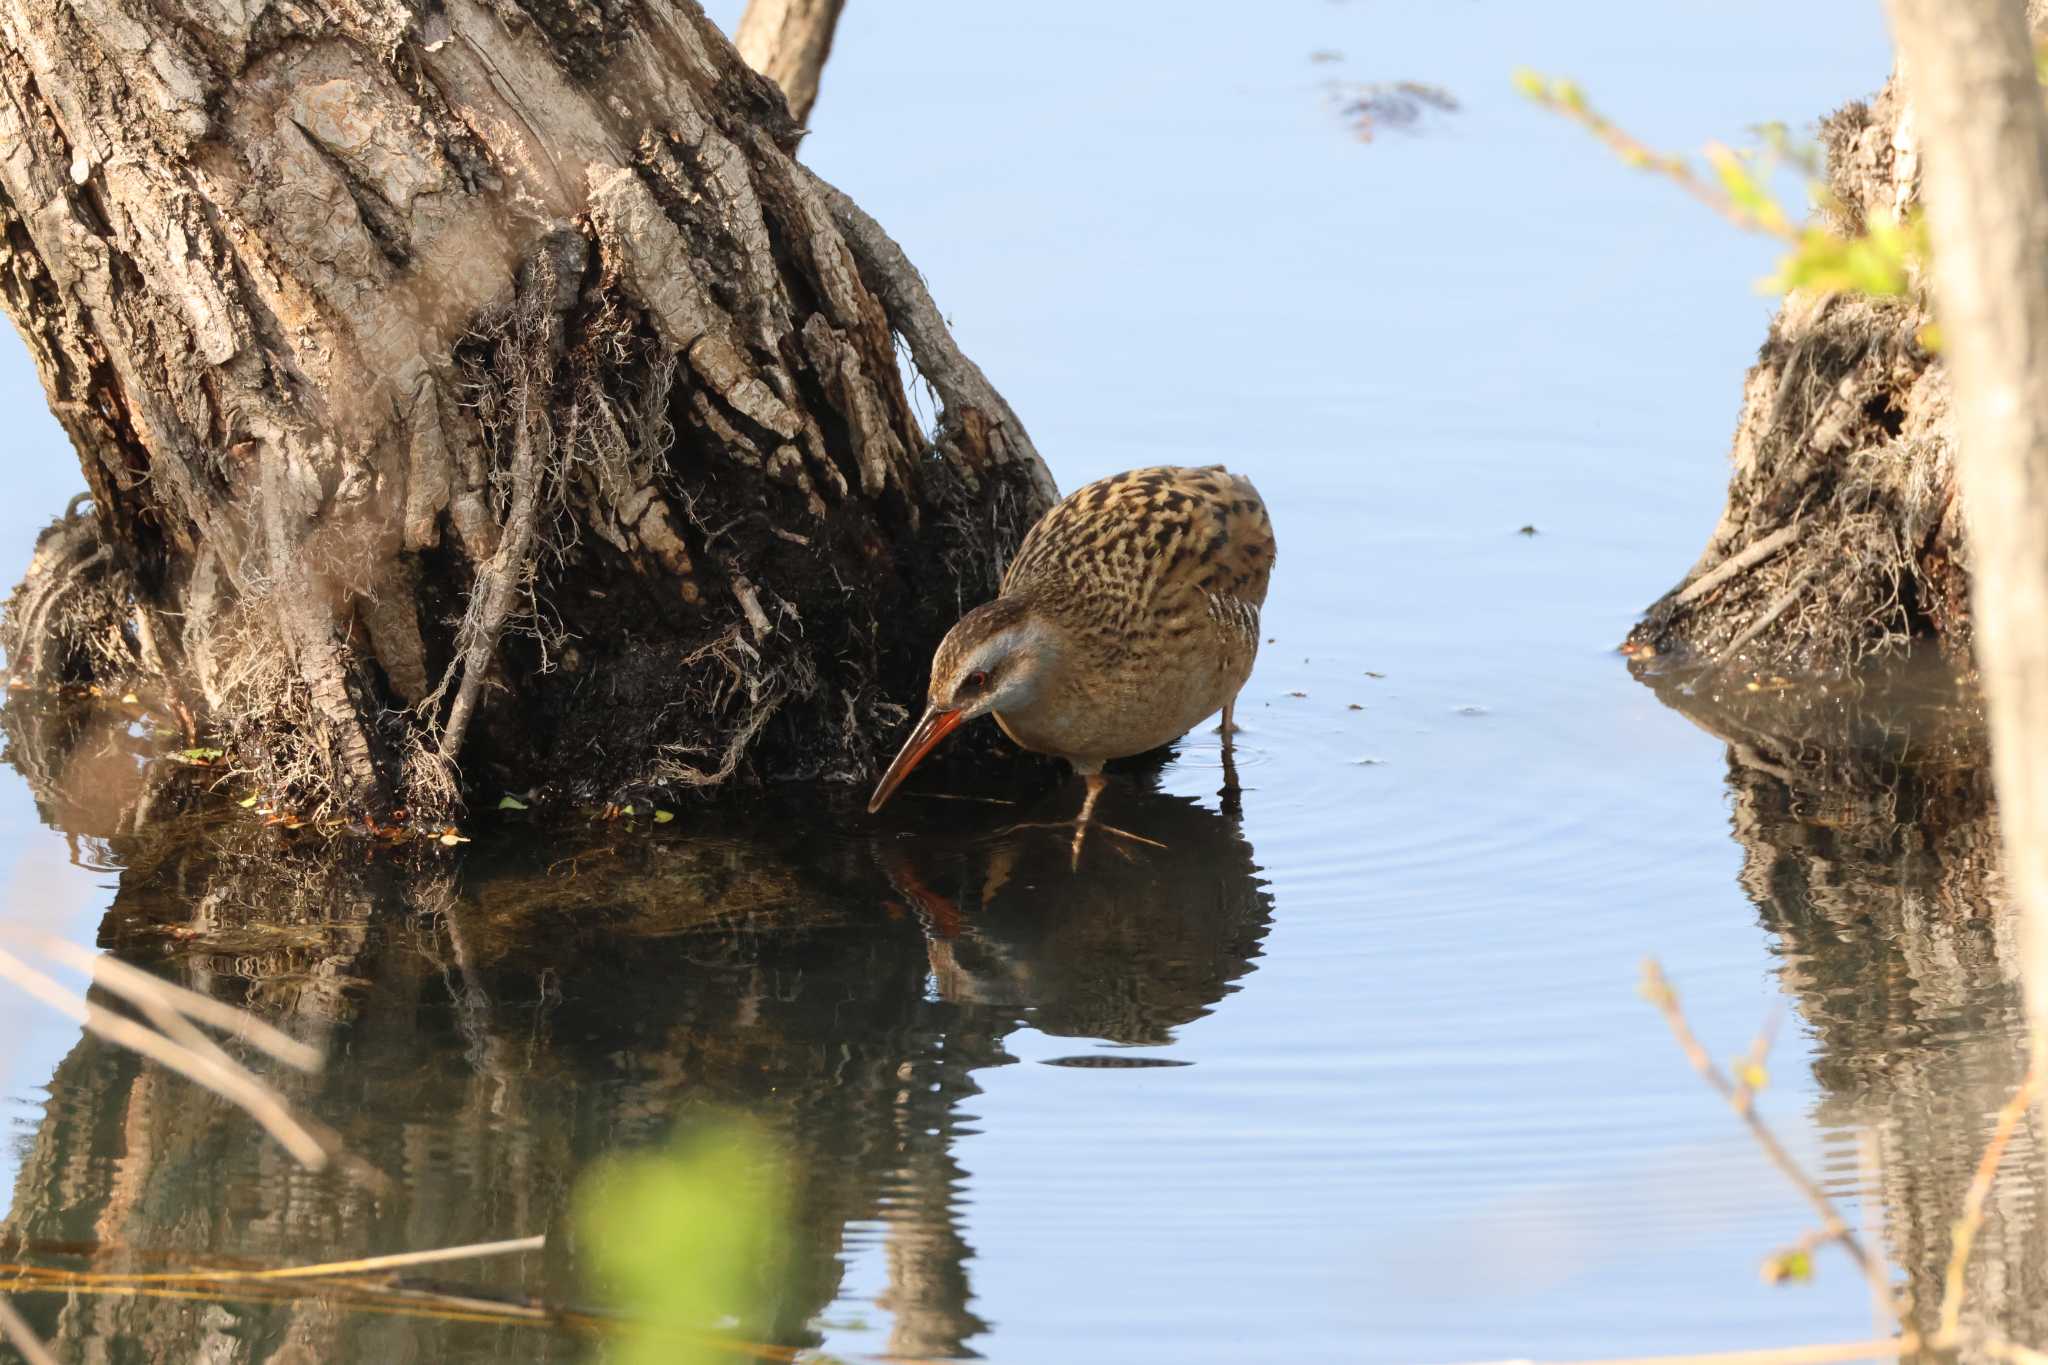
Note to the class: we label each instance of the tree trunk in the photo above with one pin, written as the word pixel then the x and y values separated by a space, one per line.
pixel 788 41
pixel 484 382
pixel 1977 99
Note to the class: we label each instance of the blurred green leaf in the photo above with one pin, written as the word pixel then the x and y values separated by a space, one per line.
pixel 510 802
pixel 689 1243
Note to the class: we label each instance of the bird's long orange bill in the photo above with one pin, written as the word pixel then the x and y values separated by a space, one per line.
pixel 933 727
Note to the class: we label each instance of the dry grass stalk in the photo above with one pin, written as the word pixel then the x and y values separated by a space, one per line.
pixel 18 1334
pixel 133 984
pixel 366 1265
pixel 1965 1232
pixel 214 1069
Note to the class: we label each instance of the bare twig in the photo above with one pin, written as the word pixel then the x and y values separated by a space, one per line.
pixel 1566 98
pixel 1771 613
pixel 1756 552
pixel 1973 1207
pixel 1741 1097
pixel 22 1337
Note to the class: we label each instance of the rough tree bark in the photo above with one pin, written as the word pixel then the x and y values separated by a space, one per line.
pixel 788 41
pixel 479 381
pixel 1970 68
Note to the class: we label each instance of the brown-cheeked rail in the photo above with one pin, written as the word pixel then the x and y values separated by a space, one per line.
pixel 1129 616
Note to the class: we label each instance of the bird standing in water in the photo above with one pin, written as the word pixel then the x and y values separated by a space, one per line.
pixel 1130 615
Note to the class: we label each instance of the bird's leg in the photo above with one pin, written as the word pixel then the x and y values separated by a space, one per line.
pixel 1230 791
pixel 1083 822
pixel 1096 782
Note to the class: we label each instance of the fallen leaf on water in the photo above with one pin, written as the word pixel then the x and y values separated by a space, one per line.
pixel 662 817
pixel 510 802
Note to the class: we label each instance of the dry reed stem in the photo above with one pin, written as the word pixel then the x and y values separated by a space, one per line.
pixel 1825 1353
pixel 229 1081
pixel 1742 1099
pixel 1965 1231
pixel 19 1335
pixel 132 983
pixel 437 1256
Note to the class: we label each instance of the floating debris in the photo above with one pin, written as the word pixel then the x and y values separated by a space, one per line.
pixel 1527 531
pixel 1374 105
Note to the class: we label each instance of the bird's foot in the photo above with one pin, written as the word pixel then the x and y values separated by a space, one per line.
pixel 1081 828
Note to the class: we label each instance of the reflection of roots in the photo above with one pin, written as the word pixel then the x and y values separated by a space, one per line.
pixel 72 618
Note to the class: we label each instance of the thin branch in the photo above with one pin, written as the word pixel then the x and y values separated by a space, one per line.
pixel 1973 1207
pixel 1756 552
pixel 22 1337
pixel 1742 1099
pixel 1566 98
pixel 1771 613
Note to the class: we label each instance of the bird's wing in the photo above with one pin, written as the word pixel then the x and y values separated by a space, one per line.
pixel 1157 549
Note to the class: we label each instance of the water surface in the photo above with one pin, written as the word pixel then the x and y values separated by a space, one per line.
pixel 1356 1071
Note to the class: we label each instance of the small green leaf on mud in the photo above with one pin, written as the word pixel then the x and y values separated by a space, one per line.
pixel 202 755
pixel 662 817
pixel 625 810
pixel 248 801
pixel 510 802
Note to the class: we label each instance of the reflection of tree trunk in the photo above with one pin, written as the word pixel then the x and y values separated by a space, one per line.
pixel 1870 848
pixel 487 383
pixel 788 41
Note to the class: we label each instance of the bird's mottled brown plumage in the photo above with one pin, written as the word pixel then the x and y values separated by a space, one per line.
pixel 1156 577
pixel 1129 615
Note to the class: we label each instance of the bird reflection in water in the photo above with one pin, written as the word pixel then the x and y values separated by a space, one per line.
pixel 1139 941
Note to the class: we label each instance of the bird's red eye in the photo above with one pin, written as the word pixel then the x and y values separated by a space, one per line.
pixel 977 679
